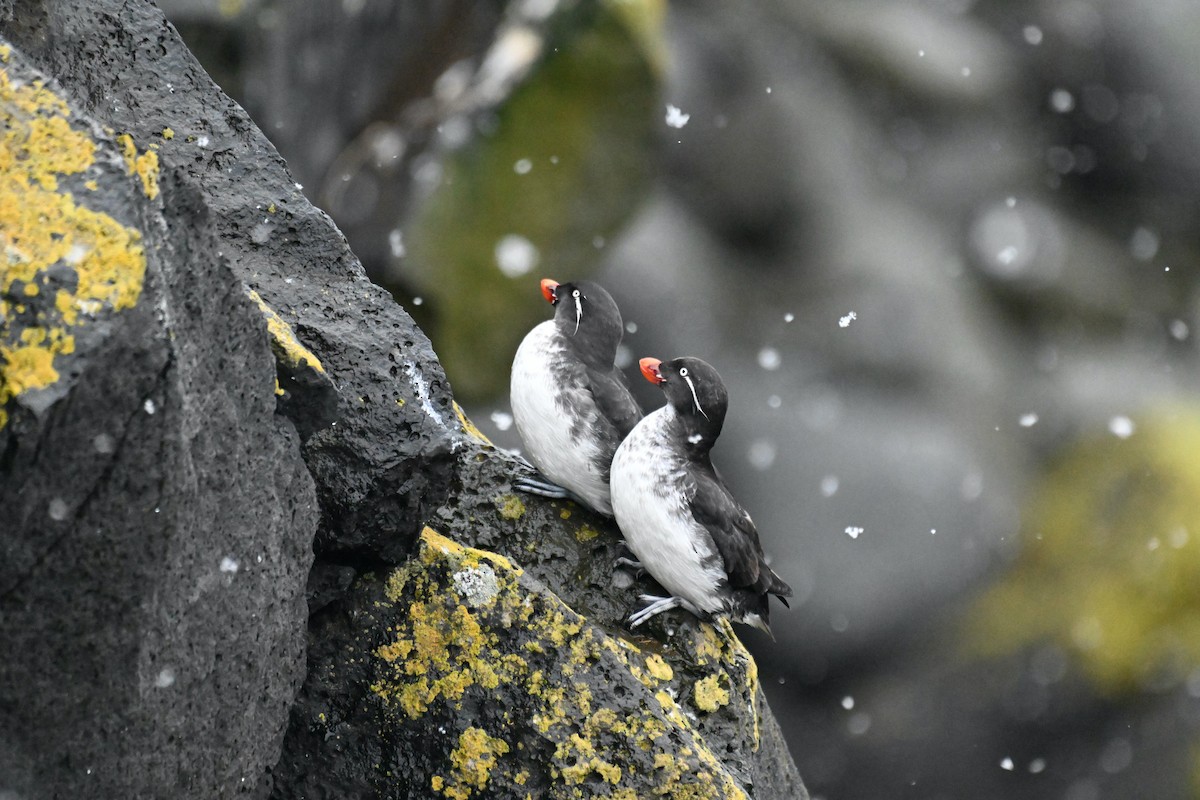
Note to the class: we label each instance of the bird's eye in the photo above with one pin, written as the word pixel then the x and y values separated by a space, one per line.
pixel 575 293
pixel 683 372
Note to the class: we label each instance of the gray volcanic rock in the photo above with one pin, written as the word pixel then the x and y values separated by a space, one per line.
pixel 157 512
pixel 181 429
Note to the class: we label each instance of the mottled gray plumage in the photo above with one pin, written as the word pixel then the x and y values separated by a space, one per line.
pixel 678 516
pixel 571 405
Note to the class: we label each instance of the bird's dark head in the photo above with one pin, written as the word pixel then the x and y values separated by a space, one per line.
pixel 695 391
pixel 588 316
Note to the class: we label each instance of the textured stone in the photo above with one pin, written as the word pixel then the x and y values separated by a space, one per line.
pixel 249 394
pixel 157 512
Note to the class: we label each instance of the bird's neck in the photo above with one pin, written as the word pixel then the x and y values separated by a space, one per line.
pixel 694 432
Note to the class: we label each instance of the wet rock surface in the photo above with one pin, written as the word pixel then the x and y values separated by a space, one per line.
pixel 254 401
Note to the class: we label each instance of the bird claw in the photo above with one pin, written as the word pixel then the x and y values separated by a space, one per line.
pixel 542 488
pixel 622 561
pixel 657 605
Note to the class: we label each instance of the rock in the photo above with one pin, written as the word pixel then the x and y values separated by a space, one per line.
pixel 158 515
pixel 239 390
pixel 458 674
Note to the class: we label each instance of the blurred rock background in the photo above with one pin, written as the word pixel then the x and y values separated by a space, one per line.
pixel 944 254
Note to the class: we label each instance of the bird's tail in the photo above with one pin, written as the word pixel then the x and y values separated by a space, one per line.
pixel 777 587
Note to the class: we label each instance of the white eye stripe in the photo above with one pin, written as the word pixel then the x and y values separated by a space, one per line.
pixel 695 399
pixel 578 310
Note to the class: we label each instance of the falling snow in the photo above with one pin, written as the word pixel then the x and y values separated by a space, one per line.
pixel 1062 101
pixel 165 678
pixel 769 358
pixel 1121 426
pixel 845 321
pixel 1028 420
pixel 502 420
pixel 853 531
pixel 229 564
pixel 847 702
pixel 676 118
pixel 1143 244
pixel 516 255
pixel 762 454
pixel 149 406
pixel 1006 763
pixel 58 509
pixel 103 443
pixel 396 243
pixel 829 486
pixel 523 166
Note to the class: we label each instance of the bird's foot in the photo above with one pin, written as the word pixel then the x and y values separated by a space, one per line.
pixel 657 605
pixel 622 561
pixel 543 488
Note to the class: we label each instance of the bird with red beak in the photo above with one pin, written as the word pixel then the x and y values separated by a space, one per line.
pixel 676 513
pixel 570 403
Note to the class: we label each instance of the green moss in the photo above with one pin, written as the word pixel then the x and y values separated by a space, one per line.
pixel 1110 567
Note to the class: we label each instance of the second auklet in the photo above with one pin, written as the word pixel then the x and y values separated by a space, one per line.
pixel 677 514
pixel 571 405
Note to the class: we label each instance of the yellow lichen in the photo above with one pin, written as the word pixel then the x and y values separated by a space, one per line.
pixel 709 694
pixel 472 761
pixel 659 668
pixel 144 165
pixel 565 513
pixel 284 343
pixel 28 368
pixel 586 533
pixel 444 652
pixel 41 228
pixel 168 134
pixel 510 506
pixel 469 427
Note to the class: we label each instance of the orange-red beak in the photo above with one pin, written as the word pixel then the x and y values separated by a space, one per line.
pixel 550 290
pixel 650 369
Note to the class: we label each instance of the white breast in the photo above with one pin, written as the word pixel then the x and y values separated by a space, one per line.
pixel 648 501
pixel 546 382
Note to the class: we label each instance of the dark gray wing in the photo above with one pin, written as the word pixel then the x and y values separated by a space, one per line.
pixel 733 532
pixel 614 400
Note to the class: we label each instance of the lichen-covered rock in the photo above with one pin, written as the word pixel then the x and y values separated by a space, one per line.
pixel 457 675
pixel 157 513
pixel 173 449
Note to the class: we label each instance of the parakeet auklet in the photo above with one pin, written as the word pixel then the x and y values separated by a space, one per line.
pixel 572 407
pixel 676 513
